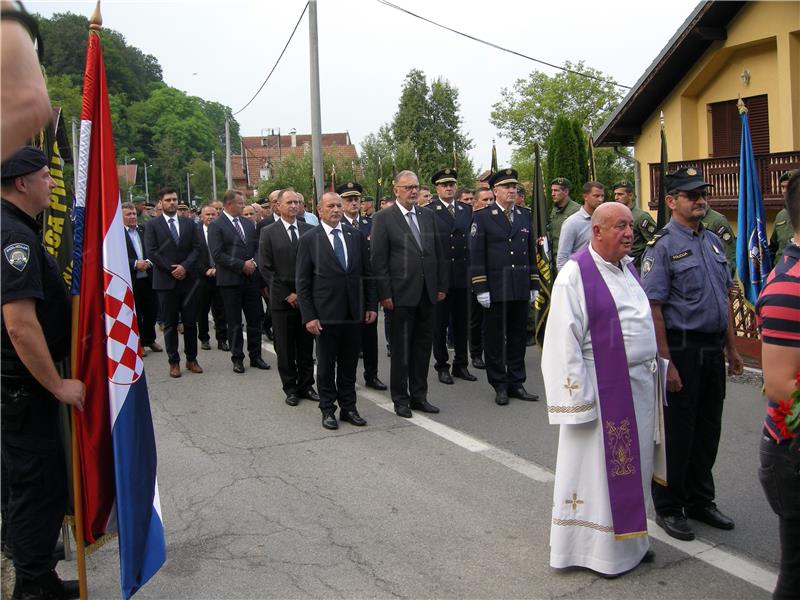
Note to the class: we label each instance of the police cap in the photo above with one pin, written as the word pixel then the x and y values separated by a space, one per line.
pixel 24 161
pixel 563 182
pixel 444 176
pixel 624 184
pixel 182 206
pixel 685 180
pixel 502 177
pixel 484 177
pixel 351 188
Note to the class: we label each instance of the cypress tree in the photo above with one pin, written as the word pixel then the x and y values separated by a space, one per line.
pixel 563 154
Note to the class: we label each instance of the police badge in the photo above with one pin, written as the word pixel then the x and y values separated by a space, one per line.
pixel 17 255
pixel 647 264
pixel 473 230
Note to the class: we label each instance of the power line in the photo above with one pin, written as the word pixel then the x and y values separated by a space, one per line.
pixel 495 46
pixel 275 66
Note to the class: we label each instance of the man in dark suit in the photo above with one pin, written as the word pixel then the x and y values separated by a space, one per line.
pixel 172 244
pixel 277 258
pixel 411 274
pixel 350 194
pixel 453 220
pixel 337 296
pixel 270 216
pixel 233 245
pixel 210 295
pixel 143 294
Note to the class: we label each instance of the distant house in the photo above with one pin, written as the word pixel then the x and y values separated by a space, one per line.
pixel 722 51
pixel 261 155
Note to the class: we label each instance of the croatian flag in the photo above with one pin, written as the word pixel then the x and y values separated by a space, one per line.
pixel 115 431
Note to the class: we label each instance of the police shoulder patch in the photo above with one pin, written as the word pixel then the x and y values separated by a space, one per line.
pixel 647 264
pixel 473 230
pixel 17 255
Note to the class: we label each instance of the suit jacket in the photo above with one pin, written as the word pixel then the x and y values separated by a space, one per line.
pixel 230 252
pixel 132 258
pixel 264 223
pixel 204 260
pixel 399 265
pixel 455 239
pixel 325 290
pixel 163 252
pixel 277 261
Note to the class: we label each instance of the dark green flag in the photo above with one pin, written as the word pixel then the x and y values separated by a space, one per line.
pixel 378 187
pixel 539 218
pixel 592 167
pixel 494 158
pixel 664 213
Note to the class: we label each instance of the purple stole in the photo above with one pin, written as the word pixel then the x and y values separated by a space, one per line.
pixel 620 434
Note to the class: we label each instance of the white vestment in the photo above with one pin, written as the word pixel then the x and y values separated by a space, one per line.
pixel 581 532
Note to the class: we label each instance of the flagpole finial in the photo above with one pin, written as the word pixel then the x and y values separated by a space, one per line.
pixel 661 118
pixel 96 20
pixel 740 105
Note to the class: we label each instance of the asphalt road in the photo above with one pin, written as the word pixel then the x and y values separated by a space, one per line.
pixel 260 501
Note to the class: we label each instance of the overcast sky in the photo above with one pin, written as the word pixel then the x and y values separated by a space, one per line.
pixel 222 51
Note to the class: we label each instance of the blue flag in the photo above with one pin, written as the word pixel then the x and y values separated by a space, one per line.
pixel 753 262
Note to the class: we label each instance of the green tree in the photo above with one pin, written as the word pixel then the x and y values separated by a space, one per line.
pixel 202 182
pixel 295 171
pixel 65 94
pixel 563 154
pixel 582 147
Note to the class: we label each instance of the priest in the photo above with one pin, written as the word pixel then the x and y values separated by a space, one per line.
pixel 601 378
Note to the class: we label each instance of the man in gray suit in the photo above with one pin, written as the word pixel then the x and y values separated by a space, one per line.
pixel 411 276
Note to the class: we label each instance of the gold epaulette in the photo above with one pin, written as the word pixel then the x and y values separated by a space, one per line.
pixel 479 279
pixel 658 235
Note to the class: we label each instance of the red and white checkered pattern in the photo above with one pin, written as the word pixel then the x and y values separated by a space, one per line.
pixel 124 353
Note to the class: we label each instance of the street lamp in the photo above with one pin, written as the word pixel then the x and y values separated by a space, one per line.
pixel 146 188
pixel 189 190
pixel 130 190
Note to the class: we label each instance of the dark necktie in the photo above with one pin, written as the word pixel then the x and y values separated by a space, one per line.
pixel 451 209
pixel 338 249
pixel 355 223
pixel 293 233
pixel 414 229
pixel 238 227
pixel 507 211
pixel 173 230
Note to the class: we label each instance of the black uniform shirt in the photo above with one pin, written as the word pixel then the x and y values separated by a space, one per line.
pixel 28 271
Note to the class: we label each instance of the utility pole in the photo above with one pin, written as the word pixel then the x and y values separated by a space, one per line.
pixel 213 176
pixel 146 184
pixel 228 175
pixel 188 190
pixel 316 118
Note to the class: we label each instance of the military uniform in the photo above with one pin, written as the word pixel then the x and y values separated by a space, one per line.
pixel 782 232
pixel 557 218
pixel 716 222
pixel 644 228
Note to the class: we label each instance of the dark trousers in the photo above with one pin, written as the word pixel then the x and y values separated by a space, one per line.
pixel 369 349
pixel 294 347
pixel 337 362
pixel 211 299
pixel 504 343
pixel 475 327
pixel 780 477
pixel 237 299
pixel 146 309
pixel 180 302
pixel 411 334
pixel 452 311
pixel 692 422
pixel 387 327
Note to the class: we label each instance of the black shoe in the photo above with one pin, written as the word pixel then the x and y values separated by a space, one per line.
pixel 501 397
pixel 676 526
pixel 478 363
pixel 224 346
pixel 46 587
pixel 530 340
pixel 710 515
pixel 520 393
pixel 292 400
pixel 259 363
pixel 463 373
pixel 403 411
pixel 352 417
pixel 329 421
pixel 444 377
pixel 205 345
pixel 648 557
pixel 310 394
pixel 424 406
pixel 238 365
pixel 375 384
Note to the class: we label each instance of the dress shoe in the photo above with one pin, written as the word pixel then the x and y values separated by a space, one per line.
pixel 375 384
pixel 238 365
pixel 292 400
pixel 48 586
pixel 403 411
pixel 329 421
pixel 259 363
pixel 205 345
pixel 191 365
pixel 224 346
pixel 310 394
pixel 424 406
pixel 676 526
pixel 710 515
pixel 174 369
pixel 521 393
pixel 478 363
pixel 444 377
pixel 501 397
pixel 352 417
pixel 463 373
pixel 155 347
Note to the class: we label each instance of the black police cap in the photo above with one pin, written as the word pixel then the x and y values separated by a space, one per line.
pixel 444 176
pixel 351 188
pixel 24 161
pixel 502 177
pixel 685 180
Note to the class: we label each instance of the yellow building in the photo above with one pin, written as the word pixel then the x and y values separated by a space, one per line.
pixel 723 51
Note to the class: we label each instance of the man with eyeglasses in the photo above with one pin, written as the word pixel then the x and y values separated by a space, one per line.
pixel 686 277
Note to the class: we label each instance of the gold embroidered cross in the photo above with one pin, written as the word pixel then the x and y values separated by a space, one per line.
pixel 570 387
pixel 574 501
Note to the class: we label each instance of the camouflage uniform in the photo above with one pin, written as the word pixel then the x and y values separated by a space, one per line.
pixel 782 232
pixel 718 224
pixel 644 227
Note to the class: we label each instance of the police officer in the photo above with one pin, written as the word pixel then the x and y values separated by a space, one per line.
pixel 35 333
pixel 716 222
pixel 644 226
pixel 563 207
pixel 687 280
pixel 782 230
pixel 505 282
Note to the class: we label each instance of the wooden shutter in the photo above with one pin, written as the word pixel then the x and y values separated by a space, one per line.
pixel 726 126
pixel 758 119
